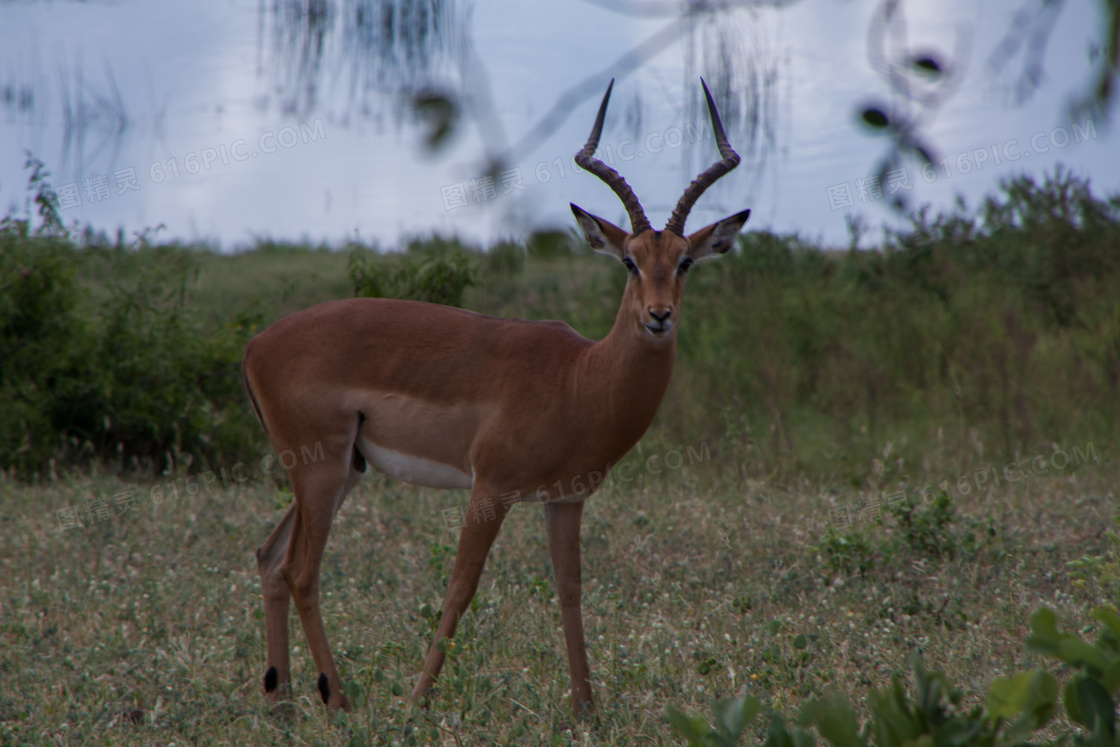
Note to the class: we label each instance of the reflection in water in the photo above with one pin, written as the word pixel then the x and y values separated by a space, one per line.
pixel 358 52
pixel 299 34
pixel 17 99
pixel 741 63
pixel 920 81
pixel 375 65
pixel 94 121
pixel 720 42
pixel 415 59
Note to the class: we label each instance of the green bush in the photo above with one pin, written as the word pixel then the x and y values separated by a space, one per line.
pixel 1090 696
pixel 925 525
pixel 506 259
pixel 847 552
pixel 987 333
pixel 45 346
pixel 134 378
pixel 932 715
pixel 936 529
pixel 1103 569
pixel 439 277
pixel 167 384
pixel 968 340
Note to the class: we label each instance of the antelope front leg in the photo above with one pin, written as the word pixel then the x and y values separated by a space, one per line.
pixel 484 518
pixel 563 521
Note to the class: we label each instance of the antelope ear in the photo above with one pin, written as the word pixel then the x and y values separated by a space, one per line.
pixel 603 236
pixel 716 239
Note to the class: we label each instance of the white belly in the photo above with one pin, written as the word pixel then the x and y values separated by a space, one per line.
pixel 413 469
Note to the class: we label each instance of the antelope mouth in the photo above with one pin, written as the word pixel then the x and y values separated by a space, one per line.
pixel 659 330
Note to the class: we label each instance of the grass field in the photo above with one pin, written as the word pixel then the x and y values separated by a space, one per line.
pixel 863 456
pixel 146 628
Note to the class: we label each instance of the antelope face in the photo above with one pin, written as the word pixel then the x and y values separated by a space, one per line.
pixel 658 262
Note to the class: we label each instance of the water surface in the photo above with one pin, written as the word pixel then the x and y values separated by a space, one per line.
pixel 224 120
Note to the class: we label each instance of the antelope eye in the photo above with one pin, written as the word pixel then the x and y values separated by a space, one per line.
pixel 682 268
pixel 629 263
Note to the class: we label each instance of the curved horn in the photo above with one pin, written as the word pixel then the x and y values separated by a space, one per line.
pixel 705 180
pixel 614 180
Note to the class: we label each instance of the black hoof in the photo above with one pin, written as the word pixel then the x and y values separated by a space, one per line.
pixel 324 688
pixel 270 678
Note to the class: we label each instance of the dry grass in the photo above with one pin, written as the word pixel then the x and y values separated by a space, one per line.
pixel 147 628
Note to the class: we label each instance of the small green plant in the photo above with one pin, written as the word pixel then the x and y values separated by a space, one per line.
pixel 931 717
pixel 130 376
pixel 1090 697
pixel 732 717
pixel 934 528
pixel 42 195
pixel 1016 706
pixel 1105 569
pixel 846 552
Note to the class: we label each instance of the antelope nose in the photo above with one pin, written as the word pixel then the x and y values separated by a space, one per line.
pixel 663 316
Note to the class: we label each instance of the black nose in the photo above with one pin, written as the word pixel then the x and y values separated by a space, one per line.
pixel 661 317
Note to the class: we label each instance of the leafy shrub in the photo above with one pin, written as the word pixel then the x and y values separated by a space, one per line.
pixel 732 716
pixel 435 278
pixel 846 552
pixel 552 245
pixel 1090 696
pixel 40 194
pixel 505 259
pixel 45 346
pixel 937 530
pixel 1016 706
pixel 976 321
pixel 133 378
pixel 142 378
pixel 166 384
pixel 1104 569
pixel 922 525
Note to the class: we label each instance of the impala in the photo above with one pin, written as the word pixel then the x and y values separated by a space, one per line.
pixel 446 398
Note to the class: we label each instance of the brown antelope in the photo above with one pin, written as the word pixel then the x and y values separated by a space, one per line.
pixel 446 398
